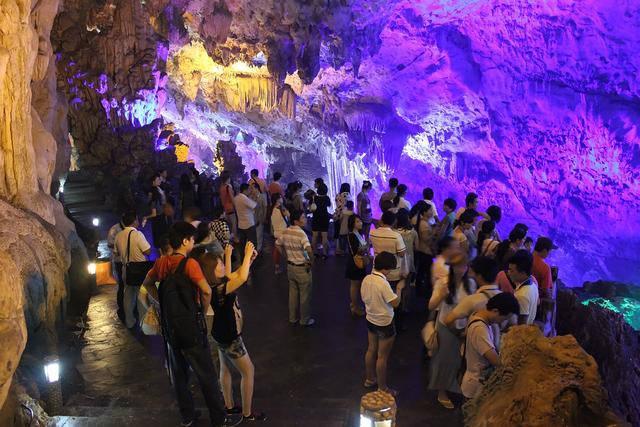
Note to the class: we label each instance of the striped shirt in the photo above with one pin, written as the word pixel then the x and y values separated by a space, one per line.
pixel 296 245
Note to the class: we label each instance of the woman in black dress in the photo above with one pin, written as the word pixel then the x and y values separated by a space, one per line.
pixel 320 222
pixel 358 251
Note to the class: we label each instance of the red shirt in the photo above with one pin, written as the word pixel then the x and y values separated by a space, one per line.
pixel 504 283
pixel 226 197
pixel 275 188
pixel 542 272
pixel 168 264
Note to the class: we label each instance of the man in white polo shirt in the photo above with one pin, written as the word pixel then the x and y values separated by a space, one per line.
pixel 245 209
pixel 384 239
pixel 526 290
pixel 131 246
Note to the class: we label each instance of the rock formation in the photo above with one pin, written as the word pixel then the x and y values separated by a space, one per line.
pixel 36 239
pixel 613 344
pixel 542 382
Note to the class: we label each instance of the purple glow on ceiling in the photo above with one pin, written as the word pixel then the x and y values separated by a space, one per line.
pixel 533 105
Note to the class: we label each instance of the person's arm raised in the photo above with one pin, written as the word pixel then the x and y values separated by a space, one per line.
pixel 240 276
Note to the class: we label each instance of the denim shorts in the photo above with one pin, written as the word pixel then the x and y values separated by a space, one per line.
pixel 233 350
pixel 382 331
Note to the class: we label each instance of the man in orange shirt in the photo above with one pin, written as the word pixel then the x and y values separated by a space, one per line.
pixel 541 270
pixel 196 358
pixel 274 186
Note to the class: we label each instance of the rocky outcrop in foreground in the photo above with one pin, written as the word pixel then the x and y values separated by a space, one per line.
pixel 543 382
pixel 614 345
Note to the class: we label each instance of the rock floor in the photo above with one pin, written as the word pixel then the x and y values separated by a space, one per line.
pixel 304 377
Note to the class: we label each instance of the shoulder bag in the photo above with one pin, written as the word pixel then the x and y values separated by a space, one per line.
pixel 134 272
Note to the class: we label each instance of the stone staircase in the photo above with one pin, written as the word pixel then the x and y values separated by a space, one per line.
pixel 83 202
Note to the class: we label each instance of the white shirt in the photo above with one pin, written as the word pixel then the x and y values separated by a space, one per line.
pixel 489 247
pixel 434 210
pixel 527 296
pixel 376 294
pixel 278 223
pixel 111 241
pixel 479 340
pixel 137 246
pixel 478 301
pixel 403 204
pixel 245 208
pixel 384 239
pixel 441 290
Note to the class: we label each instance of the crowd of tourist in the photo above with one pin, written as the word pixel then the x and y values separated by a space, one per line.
pixel 474 284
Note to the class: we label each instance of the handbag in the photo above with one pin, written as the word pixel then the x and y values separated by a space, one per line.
pixel 313 207
pixel 361 261
pixel 151 322
pixel 134 273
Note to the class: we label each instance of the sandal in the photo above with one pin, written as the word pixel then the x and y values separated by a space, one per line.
pixel 370 384
pixel 448 404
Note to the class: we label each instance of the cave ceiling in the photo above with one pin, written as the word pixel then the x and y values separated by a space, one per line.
pixel 534 105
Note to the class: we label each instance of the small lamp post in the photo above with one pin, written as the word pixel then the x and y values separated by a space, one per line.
pixel 52 375
pixel 378 409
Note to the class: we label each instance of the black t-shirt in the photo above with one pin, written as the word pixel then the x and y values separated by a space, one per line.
pixel 227 317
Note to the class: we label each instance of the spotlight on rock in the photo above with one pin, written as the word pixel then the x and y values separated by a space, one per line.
pixel 95 221
pixel 54 389
pixel 91 268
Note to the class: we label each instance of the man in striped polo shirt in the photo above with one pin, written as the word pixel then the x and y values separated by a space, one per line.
pixel 295 244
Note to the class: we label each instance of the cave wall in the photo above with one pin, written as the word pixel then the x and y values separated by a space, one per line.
pixel 613 343
pixel 36 238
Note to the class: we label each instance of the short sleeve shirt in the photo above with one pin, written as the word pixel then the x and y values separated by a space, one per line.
pixel 527 295
pixel 479 341
pixel 137 245
pixel 111 241
pixel 376 294
pixel 384 239
pixel 166 265
pixel 245 208
pixel 542 272
pixel 295 243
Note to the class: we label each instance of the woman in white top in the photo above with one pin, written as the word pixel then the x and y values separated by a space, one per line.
pixel 279 218
pixel 410 238
pixel 445 363
pixel 487 243
pixel 399 202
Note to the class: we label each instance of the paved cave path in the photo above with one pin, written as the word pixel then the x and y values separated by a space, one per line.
pixel 304 377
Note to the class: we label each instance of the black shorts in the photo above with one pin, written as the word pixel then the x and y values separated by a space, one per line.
pixel 382 331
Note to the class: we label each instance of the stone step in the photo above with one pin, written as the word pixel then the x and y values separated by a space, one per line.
pixel 319 413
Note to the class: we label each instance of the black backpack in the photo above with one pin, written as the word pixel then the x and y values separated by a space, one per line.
pixel 181 317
